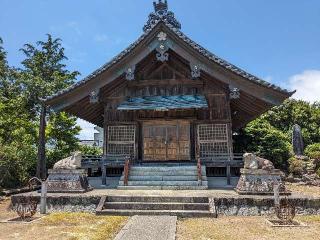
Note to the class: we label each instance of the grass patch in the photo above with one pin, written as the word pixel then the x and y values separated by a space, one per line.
pixel 85 225
pixel 304 189
pixel 248 228
pixel 311 219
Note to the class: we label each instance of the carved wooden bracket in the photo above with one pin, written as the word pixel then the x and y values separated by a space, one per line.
pixel 94 96
pixel 130 73
pixel 234 92
pixel 195 70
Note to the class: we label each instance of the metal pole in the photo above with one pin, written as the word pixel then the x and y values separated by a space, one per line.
pixel 43 200
pixel 41 166
pixel 276 195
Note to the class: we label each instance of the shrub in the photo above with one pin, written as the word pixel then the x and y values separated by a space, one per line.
pixel 296 166
pixel 318 172
pixel 313 151
pixel 91 150
pixel 266 141
pixel 17 164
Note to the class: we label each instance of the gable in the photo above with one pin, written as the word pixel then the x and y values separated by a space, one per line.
pixel 112 76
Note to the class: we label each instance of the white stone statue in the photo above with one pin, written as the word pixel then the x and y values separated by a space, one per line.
pixel 252 161
pixel 72 162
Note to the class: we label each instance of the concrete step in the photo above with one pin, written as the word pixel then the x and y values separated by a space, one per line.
pixel 157 199
pixel 163 168
pixel 156 206
pixel 179 213
pixel 164 173
pixel 164 178
pixel 164 183
pixel 162 187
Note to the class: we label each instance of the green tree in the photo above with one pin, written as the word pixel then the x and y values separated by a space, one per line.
pixel 61 135
pixel 44 74
pixel 297 112
pixel 21 94
pixel 44 71
pixel 17 149
pixel 266 141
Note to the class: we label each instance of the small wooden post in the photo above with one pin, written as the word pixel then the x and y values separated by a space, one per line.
pixel 41 165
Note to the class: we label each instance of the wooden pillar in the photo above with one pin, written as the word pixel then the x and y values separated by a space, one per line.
pixel 41 165
pixel 228 173
pixel 104 158
pixel 104 173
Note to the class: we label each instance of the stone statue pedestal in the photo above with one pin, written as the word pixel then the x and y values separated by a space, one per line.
pixel 68 181
pixel 260 182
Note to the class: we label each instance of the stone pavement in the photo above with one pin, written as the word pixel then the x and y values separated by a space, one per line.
pixel 149 228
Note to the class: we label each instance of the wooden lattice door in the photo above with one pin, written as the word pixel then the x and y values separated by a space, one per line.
pixel 213 141
pixel 166 141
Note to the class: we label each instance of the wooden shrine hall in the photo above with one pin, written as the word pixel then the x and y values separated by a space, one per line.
pixel 164 102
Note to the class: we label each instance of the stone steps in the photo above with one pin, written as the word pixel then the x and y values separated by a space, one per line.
pixel 164 183
pixel 156 199
pixel 163 173
pixel 162 187
pixel 162 168
pixel 155 205
pixel 164 177
pixel 178 213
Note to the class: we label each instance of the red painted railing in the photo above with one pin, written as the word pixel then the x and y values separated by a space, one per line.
pixel 126 171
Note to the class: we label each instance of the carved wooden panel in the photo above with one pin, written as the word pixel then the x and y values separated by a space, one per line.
pixel 165 141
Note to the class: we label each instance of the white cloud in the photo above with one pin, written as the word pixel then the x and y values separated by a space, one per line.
pixel 307 85
pixel 75 26
pixel 268 78
pixel 101 38
pixel 87 131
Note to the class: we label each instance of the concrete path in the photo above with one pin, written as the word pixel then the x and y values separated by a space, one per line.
pixel 149 228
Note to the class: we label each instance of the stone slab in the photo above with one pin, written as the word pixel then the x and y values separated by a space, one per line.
pixel 68 180
pixel 260 182
pixel 149 227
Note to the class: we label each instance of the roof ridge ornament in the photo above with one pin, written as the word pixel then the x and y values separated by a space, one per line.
pixel 161 13
pixel 160 7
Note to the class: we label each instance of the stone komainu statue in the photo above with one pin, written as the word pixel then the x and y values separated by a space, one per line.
pixel 68 177
pixel 259 176
pixel 72 162
pixel 251 161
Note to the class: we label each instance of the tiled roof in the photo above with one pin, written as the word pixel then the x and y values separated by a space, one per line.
pixel 191 43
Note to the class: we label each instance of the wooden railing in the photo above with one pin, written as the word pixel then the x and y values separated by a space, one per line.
pixel 88 161
pixel 126 171
pixel 223 158
pixel 199 171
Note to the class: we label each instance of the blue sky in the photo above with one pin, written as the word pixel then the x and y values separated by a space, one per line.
pixel 278 41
